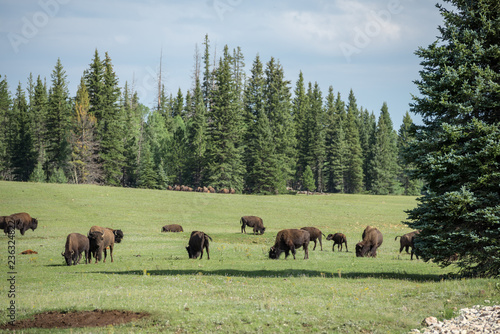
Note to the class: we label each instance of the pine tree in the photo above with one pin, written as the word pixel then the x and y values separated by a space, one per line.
pixel 300 110
pixel 367 131
pixel 94 79
pixel 316 122
pixel 385 164
pixel 20 145
pixel 110 127
pixel 58 122
pixel 456 149
pixel 308 179
pixel 39 109
pixel 278 109
pixel 353 180
pixel 5 108
pixel 411 186
pixel 207 84
pixel 146 176
pixel 225 160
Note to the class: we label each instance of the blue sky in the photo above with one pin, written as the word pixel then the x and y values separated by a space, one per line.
pixel 364 45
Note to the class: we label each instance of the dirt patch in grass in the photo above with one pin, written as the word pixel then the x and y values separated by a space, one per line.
pixel 95 318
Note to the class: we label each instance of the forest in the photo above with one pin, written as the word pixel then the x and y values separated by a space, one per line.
pixel 246 130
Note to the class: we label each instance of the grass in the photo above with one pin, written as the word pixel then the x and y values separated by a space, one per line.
pixel 239 290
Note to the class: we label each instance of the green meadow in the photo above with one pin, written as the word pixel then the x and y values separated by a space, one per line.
pixel 239 290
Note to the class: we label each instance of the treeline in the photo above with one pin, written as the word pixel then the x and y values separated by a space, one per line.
pixel 233 129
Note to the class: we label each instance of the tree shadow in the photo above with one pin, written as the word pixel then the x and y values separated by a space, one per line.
pixel 279 274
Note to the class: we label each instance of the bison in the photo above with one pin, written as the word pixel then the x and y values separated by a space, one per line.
pixel 338 239
pixel 21 221
pixel 372 239
pixel 172 228
pixel 406 241
pixel 100 239
pixel 252 221
pixel 314 234
pixel 197 242
pixel 76 243
pixel 289 240
pixel 3 224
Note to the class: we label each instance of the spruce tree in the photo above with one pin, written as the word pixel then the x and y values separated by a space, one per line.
pixel 21 150
pixel 39 109
pixel 5 108
pixel 456 149
pixel 225 161
pixel 58 122
pixel 300 111
pixel 353 179
pixel 412 186
pixel 278 109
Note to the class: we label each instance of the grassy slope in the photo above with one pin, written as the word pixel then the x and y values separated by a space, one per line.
pixel 238 289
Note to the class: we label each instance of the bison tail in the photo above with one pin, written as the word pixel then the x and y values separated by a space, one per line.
pixel 396 238
pixel 209 237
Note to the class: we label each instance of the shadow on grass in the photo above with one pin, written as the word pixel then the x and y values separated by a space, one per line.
pixel 279 273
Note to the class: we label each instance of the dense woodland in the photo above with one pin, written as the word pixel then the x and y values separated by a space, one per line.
pixel 246 130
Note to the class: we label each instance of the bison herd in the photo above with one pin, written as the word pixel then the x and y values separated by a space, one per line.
pixel 99 239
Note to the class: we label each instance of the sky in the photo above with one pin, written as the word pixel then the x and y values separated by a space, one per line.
pixel 364 45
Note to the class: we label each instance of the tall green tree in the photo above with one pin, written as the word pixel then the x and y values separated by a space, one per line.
pixel 456 149
pixel 300 112
pixel 39 110
pixel 353 180
pixel 111 127
pixel 412 186
pixel 5 107
pixel 21 149
pixel 385 160
pixel 58 122
pixel 225 155
pixel 278 108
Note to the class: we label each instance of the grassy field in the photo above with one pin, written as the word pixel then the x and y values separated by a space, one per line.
pixel 239 290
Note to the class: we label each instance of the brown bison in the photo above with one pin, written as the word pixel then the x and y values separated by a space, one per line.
pixel 338 239
pixel 314 234
pixel 406 241
pixel 21 221
pixel 372 239
pixel 252 221
pixel 100 239
pixel 76 243
pixel 172 228
pixel 197 242
pixel 3 224
pixel 118 234
pixel 289 240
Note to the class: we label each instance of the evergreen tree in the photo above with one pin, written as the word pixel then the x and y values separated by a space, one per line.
pixel 58 122
pixel 300 110
pixel 411 186
pixel 20 145
pixel 385 165
pixel 197 137
pixel 207 84
pixel 94 79
pixel 5 109
pixel 367 131
pixel 110 127
pixel 178 107
pixel 308 179
pixel 146 175
pixel 316 121
pixel 159 140
pixel 39 109
pixel 225 161
pixel 456 149
pixel 278 109
pixel 353 179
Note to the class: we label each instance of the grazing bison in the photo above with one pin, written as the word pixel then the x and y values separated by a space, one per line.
pixel 3 224
pixel 76 243
pixel 338 239
pixel 406 241
pixel 118 234
pixel 172 228
pixel 252 221
pixel 22 221
pixel 289 240
pixel 100 239
pixel 314 234
pixel 197 242
pixel 372 239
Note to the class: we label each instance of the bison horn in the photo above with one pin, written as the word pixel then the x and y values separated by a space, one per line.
pixel 62 253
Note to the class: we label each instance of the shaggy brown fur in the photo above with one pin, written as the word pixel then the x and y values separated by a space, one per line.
pixel 338 239
pixel 76 243
pixel 22 221
pixel 197 242
pixel 252 221
pixel 372 239
pixel 172 228
pixel 314 234
pixel 289 240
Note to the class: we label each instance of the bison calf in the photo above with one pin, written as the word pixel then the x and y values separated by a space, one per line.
pixel 314 234
pixel 76 243
pixel 252 221
pixel 372 239
pixel 197 242
pixel 172 228
pixel 289 240
pixel 338 239
pixel 406 241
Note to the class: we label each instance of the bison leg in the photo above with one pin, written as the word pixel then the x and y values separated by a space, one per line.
pixel 243 228
pixel 306 251
pixel 406 249
pixel 287 252
pixel 314 244
pixel 346 247
pixel 293 252
pixel 208 254
pixel 320 243
pixel 111 252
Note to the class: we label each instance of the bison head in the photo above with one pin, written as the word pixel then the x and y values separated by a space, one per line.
pixel 329 237
pixel 68 256
pixel 360 249
pixel 118 236
pixel 274 253
pixel 191 253
pixel 34 223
